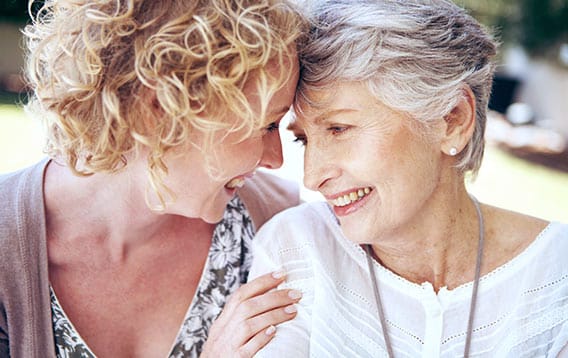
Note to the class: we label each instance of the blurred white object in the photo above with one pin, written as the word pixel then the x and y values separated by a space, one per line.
pixel 516 62
pixel 526 137
pixel 563 54
pixel 520 113
pixel 538 139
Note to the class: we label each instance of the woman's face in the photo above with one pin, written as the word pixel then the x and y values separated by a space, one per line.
pixel 202 195
pixel 374 171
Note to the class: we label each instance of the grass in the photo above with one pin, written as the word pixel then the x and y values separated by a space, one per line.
pixel 504 180
pixel 512 183
pixel 21 139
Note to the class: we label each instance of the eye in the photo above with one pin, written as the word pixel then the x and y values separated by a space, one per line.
pixel 272 127
pixel 301 139
pixel 337 129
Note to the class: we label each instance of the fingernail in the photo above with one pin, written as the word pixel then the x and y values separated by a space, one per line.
pixel 270 331
pixel 278 274
pixel 290 309
pixel 294 294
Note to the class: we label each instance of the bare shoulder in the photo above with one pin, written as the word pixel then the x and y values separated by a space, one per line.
pixel 508 233
pixel 514 222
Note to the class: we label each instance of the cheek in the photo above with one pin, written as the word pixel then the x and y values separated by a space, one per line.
pixel 253 148
pixel 423 155
pixel 416 175
pixel 371 157
pixel 409 154
pixel 246 154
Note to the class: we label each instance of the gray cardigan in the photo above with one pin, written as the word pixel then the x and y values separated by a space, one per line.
pixel 25 313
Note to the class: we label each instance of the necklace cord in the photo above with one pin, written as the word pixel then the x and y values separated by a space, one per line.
pixel 473 302
pixel 477 276
pixel 378 300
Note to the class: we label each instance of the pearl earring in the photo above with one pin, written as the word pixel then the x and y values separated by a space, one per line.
pixel 453 151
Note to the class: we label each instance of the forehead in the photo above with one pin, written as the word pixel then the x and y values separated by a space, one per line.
pixel 281 81
pixel 314 106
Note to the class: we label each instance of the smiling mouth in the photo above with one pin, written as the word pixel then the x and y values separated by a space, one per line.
pixel 351 198
pixel 235 183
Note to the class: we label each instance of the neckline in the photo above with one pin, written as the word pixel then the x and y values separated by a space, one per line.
pixel 416 289
pixel 490 278
pixel 474 291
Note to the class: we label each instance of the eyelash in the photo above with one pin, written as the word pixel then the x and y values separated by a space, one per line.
pixel 273 127
pixel 302 140
pixel 335 130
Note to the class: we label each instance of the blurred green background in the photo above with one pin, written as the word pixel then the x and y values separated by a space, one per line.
pixel 539 27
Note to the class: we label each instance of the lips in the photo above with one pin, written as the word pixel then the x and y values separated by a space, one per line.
pixel 238 182
pixel 235 183
pixel 348 202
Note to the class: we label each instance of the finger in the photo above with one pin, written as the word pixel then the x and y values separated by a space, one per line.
pixel 256 324
pixel 257 342
pixel 266 302
pixel 252 326
pixel 257 313
pixel 258 286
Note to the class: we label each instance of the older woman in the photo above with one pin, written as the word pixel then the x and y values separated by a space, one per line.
pixel 401 260
pixel 130 238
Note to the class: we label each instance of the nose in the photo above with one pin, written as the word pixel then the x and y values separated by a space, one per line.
pixel 319 167
pixel 272 151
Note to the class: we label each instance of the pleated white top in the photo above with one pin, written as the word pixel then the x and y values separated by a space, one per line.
pixel 522 308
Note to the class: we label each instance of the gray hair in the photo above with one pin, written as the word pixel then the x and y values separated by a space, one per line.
pixel 416 56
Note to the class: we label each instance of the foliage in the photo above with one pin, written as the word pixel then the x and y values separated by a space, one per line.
pixel 17 10
pixel 540 26
pixel 544 24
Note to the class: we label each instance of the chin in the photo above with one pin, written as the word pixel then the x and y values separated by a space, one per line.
pixel 213 218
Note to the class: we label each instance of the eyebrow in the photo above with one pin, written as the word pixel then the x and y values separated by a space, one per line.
pixel 281 111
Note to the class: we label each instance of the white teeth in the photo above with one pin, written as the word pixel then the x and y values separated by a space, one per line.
pixel 351 197
pixel 235 183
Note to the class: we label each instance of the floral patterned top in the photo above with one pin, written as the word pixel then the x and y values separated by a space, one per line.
pixel 226 268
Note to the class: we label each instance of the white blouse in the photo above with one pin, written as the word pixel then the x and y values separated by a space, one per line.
pixel 522 308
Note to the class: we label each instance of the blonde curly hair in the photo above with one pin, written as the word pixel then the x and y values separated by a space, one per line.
pixel 99 68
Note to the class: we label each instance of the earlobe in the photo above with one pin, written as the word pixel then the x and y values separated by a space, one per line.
pixel 154 103
pixel 149 111
pixel 460 123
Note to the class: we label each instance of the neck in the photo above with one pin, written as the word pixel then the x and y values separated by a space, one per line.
pixel 107 211
pixel 440 247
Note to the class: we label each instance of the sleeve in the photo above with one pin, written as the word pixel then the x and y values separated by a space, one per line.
pixel 265 195
pixel 563 353
pixel 560 346
pixel 272 251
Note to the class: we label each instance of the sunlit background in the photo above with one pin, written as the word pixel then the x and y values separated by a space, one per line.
pixel 526 161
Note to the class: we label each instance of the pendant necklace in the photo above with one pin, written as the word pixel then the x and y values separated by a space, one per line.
pixel 473 302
